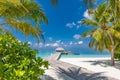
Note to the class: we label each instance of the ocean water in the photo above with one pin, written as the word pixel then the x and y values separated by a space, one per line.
pixel 44 54
pixel 94 55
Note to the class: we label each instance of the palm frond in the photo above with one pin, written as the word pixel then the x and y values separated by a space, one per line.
pixel 26 28
pixel 89 22
pixel 54 2
pixel 19 13
pixel 89 32
pixel 114 6
pixel 97 34
pixel 35 12
pixel 114 33
pixel 89 3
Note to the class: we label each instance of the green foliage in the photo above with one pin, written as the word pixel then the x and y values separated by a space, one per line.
pixel 117 56
pixel 106 31
pixel 18 61
pixel 19 14
pixel 100 40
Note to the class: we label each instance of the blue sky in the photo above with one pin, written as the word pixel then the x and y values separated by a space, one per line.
pixel 63 29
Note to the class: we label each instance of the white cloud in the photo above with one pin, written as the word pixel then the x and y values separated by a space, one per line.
pixel 78 22
pixel 76 36
pixel 55 45
pixel 19 41
pixel 47 45
pixel 77 26
pixel 70 25
pixel 30 43
pixel 62 43
pixel 87 36
pixel 65 45
pixel 50 38
pixel 38 45
pixel 71 43
pixel 58 41
pixel 86 15
pixel 80 42
pixel 52 45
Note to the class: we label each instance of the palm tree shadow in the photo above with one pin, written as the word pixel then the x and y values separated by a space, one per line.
pixel 105 63
pixel 46 77
pixel 78 74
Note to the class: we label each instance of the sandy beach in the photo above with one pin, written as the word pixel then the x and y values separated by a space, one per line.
pixel 102 65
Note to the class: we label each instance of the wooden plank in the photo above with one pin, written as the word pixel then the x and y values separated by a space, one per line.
pixel 54 56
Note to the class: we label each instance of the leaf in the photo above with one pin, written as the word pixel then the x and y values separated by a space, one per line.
pixel 89 22
pixel 54 2
pixel 97 34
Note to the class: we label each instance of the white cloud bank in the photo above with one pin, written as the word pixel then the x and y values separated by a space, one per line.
pixel 87 15
pixel 71 43
pixel 76 43
pixel 70 25
pixel 58 41
pixel 76 36
pixel 79 22
pixel 52 45
pixel 56 44
pixel 87 36
pixel 29 42
pixel 80 42
pixel 74 25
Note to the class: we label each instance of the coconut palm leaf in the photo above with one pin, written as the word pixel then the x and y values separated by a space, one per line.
pixel 89 3
pixel 114 33
pixel 89 32
pixel 114 6
pixel 103 37
pixel 35 12
pixel 19 13
pixel 54 2
pixel 89 22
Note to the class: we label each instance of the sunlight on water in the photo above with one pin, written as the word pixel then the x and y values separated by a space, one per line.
pixel 45 54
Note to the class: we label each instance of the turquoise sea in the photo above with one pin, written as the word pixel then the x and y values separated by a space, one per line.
pixel 86 54
pixel 44 54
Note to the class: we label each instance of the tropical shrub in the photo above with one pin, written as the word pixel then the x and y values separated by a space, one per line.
pixel 117 56
pixel 18 61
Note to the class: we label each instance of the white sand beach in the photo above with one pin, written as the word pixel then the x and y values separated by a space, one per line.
pixel 96 65
pixel 53 74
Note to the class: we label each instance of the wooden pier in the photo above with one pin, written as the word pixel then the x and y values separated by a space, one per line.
pixel 54 56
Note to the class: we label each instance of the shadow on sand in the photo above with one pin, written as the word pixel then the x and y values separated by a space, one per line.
pixel 105 63
pixel 46 77
pixel 77 74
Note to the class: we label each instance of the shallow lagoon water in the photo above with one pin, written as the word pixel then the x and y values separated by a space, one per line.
pixel 44 54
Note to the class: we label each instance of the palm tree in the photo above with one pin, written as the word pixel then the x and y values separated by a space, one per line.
pixel 18 14
pixel 89 3
pixel 54 2
pixel 113 5
pixel 104 32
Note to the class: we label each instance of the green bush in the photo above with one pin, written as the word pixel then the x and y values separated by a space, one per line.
pixel 18 61
pixel 117 56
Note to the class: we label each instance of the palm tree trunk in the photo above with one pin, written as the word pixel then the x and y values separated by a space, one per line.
pixel 112 49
